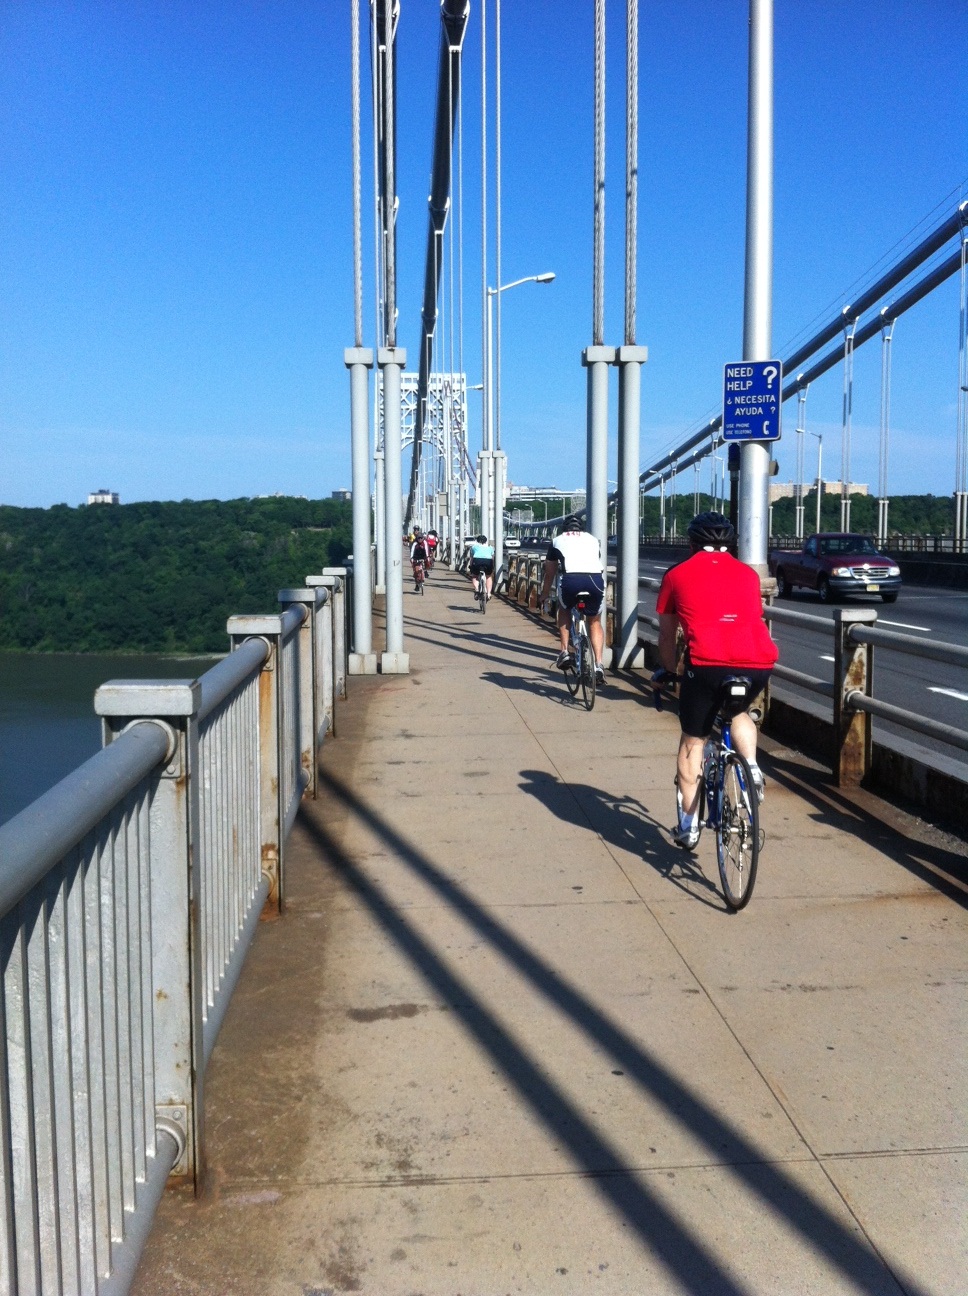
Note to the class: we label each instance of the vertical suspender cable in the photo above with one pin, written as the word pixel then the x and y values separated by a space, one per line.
pixel 846 420
pixel 961 440
pixel 484 355
pixel 887 336
pixel 631 168
pixel 357 184
pixel 497 226
pixel 379 516
pixel 389 153
pixel 598 236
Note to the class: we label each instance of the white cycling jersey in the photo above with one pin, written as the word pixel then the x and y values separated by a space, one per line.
pixel 577 553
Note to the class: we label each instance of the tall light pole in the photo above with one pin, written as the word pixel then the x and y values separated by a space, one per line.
pixel 819 437
pixel 494 459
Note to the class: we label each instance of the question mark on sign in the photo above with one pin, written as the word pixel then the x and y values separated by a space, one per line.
pixel 769 373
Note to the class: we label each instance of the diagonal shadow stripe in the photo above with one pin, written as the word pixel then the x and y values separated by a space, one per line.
pixel 858 1261
pixel 675 1245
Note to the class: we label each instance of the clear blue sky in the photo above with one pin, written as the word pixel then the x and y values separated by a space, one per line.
pixel 176 252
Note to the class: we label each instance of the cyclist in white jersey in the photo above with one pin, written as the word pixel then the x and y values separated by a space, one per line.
pixel 575 556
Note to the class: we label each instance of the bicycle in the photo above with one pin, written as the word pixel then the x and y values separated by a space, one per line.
pixel 728 801
pixel 419 576
pixel 480 591
pixel 582 674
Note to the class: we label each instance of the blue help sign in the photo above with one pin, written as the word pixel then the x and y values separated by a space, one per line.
pixel 751 400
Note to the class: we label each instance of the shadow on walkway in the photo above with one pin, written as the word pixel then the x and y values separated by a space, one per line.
pixel 678 1247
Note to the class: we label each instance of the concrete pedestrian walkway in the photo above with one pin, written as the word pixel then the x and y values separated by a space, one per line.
pixel 507 1038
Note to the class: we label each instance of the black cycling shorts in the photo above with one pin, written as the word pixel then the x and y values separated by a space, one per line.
pixel 485 565
pixel 572 586
pixel 700 693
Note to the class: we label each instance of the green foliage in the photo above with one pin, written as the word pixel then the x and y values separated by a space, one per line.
pixel 906 515
pixel 156 577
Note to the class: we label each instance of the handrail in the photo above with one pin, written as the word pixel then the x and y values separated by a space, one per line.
pixel 856 636
pixel 33 841
pixel 129 894
pixel 857 701
pixel 937 650
pixel 222 680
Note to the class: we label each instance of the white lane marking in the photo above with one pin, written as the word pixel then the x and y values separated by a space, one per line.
pixel 827 657
pixel 901 625
pixel 962 697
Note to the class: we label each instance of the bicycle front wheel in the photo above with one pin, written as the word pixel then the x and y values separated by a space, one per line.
pixel 738 833
pixel 586 665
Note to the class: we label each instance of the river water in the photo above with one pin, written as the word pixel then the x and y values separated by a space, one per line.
pixel 47 721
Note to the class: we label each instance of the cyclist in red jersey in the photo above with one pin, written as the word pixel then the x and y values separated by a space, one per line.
pixel 716 600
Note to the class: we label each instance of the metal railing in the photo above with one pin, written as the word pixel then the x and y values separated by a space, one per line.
pixel 854 635
pixel 129 894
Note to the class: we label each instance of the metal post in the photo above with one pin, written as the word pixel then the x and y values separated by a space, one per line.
pixel 392 361
pixel 848 411
pixel 597 360
pixel 630 359
pixel 887 335
pixel 853 671
pixel 801 431
pixel 758 300
pixel 500 460
pixel 358 360
pixel 380 526
pixel 176 975
pixel 315 674
pixel 337 592
pixel 819 436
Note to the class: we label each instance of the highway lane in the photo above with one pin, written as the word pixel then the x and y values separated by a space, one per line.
pixel 928 688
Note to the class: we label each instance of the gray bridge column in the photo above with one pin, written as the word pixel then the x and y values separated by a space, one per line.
pixel 596 360
pixel 392 361
pixel 358 360
pixel 630 361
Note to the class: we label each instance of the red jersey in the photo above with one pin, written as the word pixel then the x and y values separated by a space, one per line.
pixel 717 600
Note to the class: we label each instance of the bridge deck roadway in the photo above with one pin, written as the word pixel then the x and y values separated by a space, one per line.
pixel 507 1039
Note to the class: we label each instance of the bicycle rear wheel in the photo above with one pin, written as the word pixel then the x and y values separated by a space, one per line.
pixel 483 596
pixel 738 833
pixel 586 664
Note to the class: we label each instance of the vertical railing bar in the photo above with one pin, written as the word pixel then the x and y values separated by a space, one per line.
pixel 147 997
pixel 122 1007
pixel 40 1094
pixel 61 1035
pixel 23 1136
pixel 10 1171
pixel 135 973
pixel 79 1016
pixel 215 862
pixel 208 870
pixel 112 1043
pixel 97 1063
pixel 238 867
pixel 228 881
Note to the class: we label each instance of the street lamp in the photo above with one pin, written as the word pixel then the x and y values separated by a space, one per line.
pixel 489 352
pixel 819 437
pixel 496 502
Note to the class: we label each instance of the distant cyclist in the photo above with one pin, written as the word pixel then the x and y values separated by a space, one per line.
pixel 433 541
pixel 716 600
pixel 419 555
pixel 482 564
pixel 575 557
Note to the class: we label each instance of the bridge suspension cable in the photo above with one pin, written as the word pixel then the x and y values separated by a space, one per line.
pixel 953 224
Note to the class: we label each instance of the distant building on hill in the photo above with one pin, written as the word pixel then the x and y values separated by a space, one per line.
pixel 344 495
pixel 786 490
pixel 103 497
